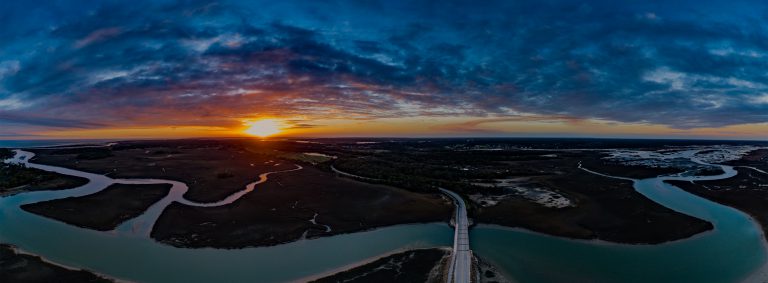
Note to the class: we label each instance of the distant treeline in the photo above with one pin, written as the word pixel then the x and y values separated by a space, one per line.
pixel 6 153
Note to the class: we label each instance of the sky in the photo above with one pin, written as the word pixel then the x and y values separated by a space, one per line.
pixel 157 69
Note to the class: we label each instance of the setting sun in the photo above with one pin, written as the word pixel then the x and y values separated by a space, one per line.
pixel 263 128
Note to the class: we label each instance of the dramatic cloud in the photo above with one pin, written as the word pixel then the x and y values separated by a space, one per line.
pixel 86 64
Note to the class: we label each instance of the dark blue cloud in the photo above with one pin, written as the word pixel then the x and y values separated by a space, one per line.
pixel 129 63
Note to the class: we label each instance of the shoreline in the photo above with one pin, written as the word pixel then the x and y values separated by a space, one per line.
pixel 360 263
pixel 371 229
pixel 240 194
pixel 507 278
pixel 237 195
pixel 333 271
pixel 358 178
pixel 313 277
pixel 759 274
pixel 589 241
pixel 20 251
pixel 593 240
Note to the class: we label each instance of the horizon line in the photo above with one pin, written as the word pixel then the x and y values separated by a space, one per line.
pixel 117 139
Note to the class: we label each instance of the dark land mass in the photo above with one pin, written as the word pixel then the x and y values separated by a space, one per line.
pixel 489 273
pixel 410 266
pixel 605 208
pixel 22 268
pixel 455 167
pixel 278 211
pixel 104 210
pixel 6 153
pixel 747 191
pixel 709 171
pixel 529 143
pixel 212 169
pixel 16 179
pixel 602 208
pixel 757 158
pixel 281 209
pixel 595 162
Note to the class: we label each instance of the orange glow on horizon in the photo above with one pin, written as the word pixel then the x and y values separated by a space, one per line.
pixel 309 127
pixel 264 127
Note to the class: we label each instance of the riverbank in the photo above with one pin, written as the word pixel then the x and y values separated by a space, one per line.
pixel 421 265
pixel 729 253
pixel 599 207
pixel 19 267
pixel 725 254
pixel 134 256
pixel 308 203
pixel 489 273
pixel 745 191
pixel 15 179
pixel 293 205
pixel 757 158
pixel 543 189
pixel 211 169
pixel 104 210
pixel 759 276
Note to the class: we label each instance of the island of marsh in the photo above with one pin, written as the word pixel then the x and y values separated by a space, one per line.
pixel 306 203
pixel 503 183
pixel 16 178
pixel 104 210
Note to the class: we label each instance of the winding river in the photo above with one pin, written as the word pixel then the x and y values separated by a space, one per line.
pixel 731 252
pixel 128 253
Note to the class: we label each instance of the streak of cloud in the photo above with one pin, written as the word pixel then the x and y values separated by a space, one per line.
pixel 84 64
